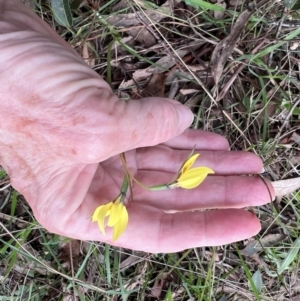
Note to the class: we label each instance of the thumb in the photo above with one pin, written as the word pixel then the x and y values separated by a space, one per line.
pixel 140 123
pixel 153 120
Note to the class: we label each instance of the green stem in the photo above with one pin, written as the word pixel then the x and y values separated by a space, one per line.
pixel 124 188
pixel 159 187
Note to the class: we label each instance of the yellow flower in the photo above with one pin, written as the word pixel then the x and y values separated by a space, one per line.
pixel 118 217
pixel 190 178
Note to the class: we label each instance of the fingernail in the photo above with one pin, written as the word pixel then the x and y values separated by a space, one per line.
pixel 263 170
pixel 186 116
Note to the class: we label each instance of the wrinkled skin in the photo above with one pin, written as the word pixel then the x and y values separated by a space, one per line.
pixel 61 132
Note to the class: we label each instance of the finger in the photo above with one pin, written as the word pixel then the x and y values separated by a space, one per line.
pixel 154 120
pixel 214 192
pixel 123 126
pixel 222 162
pixel 201 139
pixel 151 230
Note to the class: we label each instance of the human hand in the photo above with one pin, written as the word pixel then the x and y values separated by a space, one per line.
pixel 173 220
pixel 62 130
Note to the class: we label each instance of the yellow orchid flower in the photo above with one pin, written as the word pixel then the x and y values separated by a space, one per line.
pixel 118 217
pixel 190 178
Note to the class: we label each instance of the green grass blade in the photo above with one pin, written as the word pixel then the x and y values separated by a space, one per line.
pixel 107 264
pixel 296 5
pixel 257 280
pixel 248 274
pixel 204 5
pixel 108 72
pixel 62 12
pixel 289 3
pixel 13 205
pixel 169 295
pixel 269 49
pixel 285 264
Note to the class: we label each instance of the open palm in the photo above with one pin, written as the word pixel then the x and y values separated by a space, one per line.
pixel 162 221
pixel 62 131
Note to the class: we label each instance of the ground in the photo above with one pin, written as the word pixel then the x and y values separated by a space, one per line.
pixel 236 65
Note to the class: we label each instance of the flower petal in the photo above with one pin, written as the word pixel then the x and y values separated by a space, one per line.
pixel 96 212
pixel 103 212
pixel 188 163
pixel 115 214
pixel 193 177
pixel 121 225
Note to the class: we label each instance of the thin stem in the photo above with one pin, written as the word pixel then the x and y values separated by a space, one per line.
pixel 124 188
pixel 151 188
pixel 160 187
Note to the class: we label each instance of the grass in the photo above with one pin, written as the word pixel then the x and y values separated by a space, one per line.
pixel 257 113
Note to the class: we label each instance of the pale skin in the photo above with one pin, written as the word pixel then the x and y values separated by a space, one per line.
pixel 62 130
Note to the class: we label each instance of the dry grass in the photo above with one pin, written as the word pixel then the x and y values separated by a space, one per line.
pixel 257 111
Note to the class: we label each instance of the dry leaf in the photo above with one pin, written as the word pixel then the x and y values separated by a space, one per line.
pixel 139 279
pixel 296 138
pixel 143 36
pixel 255 246
pixel 162 65
pixel 86 56
pixel 126 84
pixel 225 47
pixel 132 260
pixel 69 252
pixel 138 22
pixel 157 288
pixel 134 19
pixel 285 187
pixel 198 67
pixel 162 283
pixel 167 62
pixel 212 256
pixel 23 265
pixel 156 86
